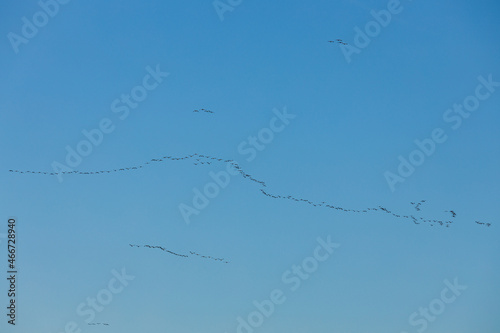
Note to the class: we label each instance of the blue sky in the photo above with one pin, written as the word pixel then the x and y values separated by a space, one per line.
pixel 353 116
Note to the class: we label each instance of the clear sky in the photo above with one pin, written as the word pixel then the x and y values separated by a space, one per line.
pixel 416 88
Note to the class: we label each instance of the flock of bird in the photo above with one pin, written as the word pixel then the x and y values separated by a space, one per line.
pixel 203 110
pixel 414 219
pixel 199 159
pixel 210 257
pixel 453 214
pixel 105 324
pixel 417 205
pixel 483 223
pixel 181 255
pixel 161 248
pixel 339 41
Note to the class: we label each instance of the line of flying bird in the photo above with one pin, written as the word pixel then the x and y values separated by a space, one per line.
pixel 414 219
pixel 483 223
pixel 180 255
pixel 105 324
pixel 209 257
pixel 203 110
pixel 199 159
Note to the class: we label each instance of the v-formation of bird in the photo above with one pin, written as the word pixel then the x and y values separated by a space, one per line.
pixel 181 255
pixel 200 159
